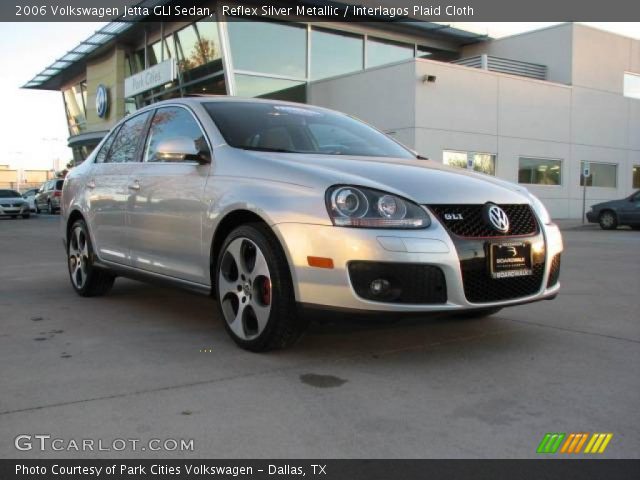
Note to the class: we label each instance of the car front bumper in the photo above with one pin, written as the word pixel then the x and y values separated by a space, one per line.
pixel 19 210
pixel 332 287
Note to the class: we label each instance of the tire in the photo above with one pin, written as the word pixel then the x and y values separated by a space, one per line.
pixel 26 215
pixel 37 209
pixel 478 313
pixel 86 280
pixel 255 291
pixel 49 208
pixel 608 220
pixel 635 227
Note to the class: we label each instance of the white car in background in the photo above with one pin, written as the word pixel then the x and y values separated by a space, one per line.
pixel 30 197
pixel 13 205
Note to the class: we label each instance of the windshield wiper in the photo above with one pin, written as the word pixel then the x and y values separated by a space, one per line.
pixel 267 149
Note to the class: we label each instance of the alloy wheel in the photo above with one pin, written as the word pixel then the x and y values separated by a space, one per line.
pixel 607 220
pixel 78 257
pixel 244 288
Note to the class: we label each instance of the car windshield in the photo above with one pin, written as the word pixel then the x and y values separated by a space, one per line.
pixel 9 194
pixel 299 129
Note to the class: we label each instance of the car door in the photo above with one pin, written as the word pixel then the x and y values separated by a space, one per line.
pixel 630 210
pixel 166 210
pixel 108 190
pixel 41 196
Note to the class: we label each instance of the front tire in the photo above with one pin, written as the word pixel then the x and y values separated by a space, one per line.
pixel 86 279
pixel 255 290
pixel 608 220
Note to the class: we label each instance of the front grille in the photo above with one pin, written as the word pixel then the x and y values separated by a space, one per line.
pixel 554 271
pixel 472 223
pixel 479 287
pixel 6 205
pixel 408 282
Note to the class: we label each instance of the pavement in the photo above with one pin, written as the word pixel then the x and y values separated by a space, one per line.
pixel 151 363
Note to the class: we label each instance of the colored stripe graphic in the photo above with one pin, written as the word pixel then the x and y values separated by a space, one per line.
pixel 598 443
pixel 550 443
pixel 574 443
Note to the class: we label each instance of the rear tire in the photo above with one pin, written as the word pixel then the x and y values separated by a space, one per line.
pixel 478 313
pixel 86 279
pixel 608 220
pixel 255 291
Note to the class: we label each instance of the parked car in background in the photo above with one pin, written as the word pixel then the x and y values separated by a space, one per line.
pixel 48 197
pixel 30 197
pixel 610 215
pixel 276 205
pixel 12 204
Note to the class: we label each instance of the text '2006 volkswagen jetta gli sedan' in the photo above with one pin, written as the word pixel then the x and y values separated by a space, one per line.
pixel 273 206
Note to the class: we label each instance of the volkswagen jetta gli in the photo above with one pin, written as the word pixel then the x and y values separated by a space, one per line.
pixel 272 206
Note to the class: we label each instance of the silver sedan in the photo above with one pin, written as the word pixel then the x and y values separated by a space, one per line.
pixel 12 204
pixel 276 207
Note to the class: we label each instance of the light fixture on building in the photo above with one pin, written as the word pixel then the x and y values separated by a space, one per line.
pixel 428 79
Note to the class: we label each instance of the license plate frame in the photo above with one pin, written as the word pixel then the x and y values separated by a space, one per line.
pixel 510 259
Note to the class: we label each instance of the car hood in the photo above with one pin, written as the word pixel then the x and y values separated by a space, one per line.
pixel 12 200
pixel 423 181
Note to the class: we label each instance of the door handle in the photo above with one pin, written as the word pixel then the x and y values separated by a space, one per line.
pixel 135 186
pixel 91 184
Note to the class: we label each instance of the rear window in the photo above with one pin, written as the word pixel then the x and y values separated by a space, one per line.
pixel 59 184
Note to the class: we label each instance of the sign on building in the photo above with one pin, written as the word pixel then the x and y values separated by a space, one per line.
pixel 164 72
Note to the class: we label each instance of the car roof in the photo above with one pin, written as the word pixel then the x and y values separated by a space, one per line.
pixel 199 99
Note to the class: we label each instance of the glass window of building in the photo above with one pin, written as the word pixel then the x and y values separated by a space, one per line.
pixel 635 183
pixel 539 171
pixel 381 52
pixel 170 123
pixel 479 162
pixel 156 53
pixel 198 50
pixel 269 48
pixel 126 142
pixel 632 85
pixel 75 100
pixel 266 87
pixel 602 175
pixel 334 53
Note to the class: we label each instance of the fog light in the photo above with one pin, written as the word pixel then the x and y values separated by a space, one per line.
pixel 379 286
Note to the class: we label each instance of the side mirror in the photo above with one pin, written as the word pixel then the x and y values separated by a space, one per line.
pixel 180 149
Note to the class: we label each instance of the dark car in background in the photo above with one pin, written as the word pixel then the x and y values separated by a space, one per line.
pixel 49 195
pixel 610 215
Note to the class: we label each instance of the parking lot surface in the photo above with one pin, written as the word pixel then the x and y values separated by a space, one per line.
pixel 146 362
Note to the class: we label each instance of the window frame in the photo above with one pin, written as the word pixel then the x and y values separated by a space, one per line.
pixel 153 111
pixel 581 183
pixel 626 75
pixel 474 152
pixel 545 185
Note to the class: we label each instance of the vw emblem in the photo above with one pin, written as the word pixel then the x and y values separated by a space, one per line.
pixel 498 218
pixel 102 101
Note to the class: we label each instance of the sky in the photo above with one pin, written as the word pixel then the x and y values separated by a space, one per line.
pixel 33 125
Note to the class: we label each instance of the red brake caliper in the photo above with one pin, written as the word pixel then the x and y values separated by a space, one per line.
pixel 266 291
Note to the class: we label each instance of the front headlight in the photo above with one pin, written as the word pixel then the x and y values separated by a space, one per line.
pixel 350 206
pixel 540 209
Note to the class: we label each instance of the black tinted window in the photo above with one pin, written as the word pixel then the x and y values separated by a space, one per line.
pixel 9 194
pixel 171 123
pixel 299 129
pixel 104 150
pixel 126 142
pixel 59 184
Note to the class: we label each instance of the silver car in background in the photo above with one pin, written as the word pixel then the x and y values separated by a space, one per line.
pixel 274 206
pixel 13 205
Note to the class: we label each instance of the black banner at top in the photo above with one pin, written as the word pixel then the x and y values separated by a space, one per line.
pixel 320 10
